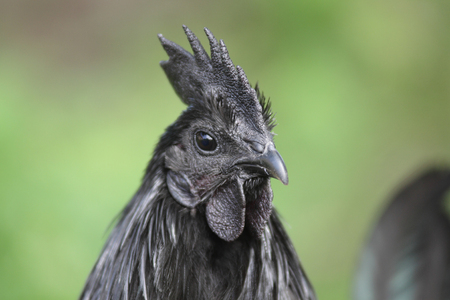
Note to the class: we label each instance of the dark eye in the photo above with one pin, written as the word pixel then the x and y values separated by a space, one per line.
pixel 205 141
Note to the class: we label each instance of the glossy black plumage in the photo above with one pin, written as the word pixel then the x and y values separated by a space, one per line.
pixel 408 254
pixel 201 226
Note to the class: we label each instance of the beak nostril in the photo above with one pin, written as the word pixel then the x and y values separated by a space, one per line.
pixel 258 147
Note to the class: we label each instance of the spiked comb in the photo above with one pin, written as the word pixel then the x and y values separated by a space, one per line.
pixel 192 76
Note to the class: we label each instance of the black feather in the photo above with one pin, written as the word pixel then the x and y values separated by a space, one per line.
pixel 201 226
pixel 266 105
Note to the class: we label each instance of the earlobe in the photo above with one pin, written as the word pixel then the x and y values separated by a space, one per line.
pixel 180 188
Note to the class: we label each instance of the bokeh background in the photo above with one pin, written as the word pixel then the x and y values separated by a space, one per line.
pixel 361 90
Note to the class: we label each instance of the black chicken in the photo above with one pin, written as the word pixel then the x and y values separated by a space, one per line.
pixel 201 226
pixel 408 254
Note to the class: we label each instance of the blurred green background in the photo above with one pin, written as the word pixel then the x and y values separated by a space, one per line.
pixel 361 90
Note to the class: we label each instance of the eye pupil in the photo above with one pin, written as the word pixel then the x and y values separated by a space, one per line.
pixel 205 141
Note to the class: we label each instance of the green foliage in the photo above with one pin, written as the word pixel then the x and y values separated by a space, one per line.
pixel 361 91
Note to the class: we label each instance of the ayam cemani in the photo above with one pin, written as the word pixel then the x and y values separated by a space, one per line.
pixel 202 225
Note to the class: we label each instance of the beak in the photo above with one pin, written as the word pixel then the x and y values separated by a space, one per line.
pixel 271 163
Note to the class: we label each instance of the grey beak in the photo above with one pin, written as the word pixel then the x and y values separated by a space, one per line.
pixel 272 161
pixel 269 163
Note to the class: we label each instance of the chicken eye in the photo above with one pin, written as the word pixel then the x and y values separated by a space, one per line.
pixel 205 142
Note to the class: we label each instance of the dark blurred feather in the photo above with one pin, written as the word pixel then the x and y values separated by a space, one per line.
pixel 408 254
pixel 202 226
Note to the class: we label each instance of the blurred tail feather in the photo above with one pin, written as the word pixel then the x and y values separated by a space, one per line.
pixel 408 254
